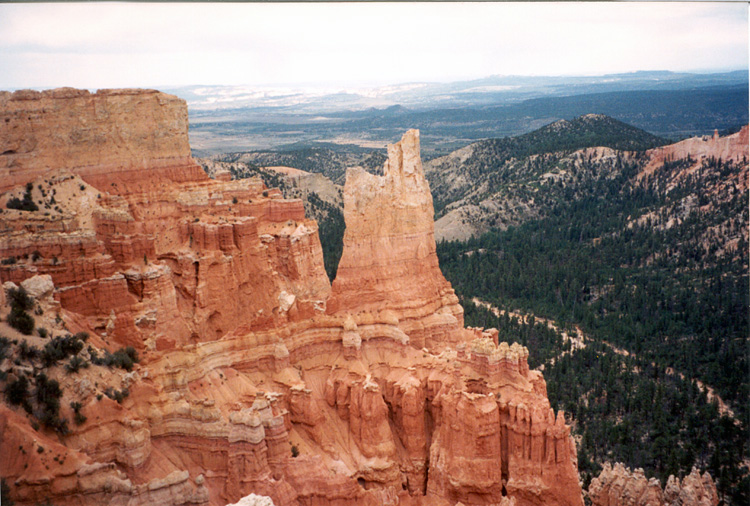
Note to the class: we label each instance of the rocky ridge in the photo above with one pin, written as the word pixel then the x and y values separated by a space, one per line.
pixel 619 486
pixel 255 375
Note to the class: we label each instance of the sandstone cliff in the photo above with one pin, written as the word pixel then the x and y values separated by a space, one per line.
pixel 108 136
pixel 252 379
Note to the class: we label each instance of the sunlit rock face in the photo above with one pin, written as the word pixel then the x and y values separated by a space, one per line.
pixel 617 486
pixel 389 261
pixel 256 379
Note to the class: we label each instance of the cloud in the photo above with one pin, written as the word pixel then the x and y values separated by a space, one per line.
pixel 142 44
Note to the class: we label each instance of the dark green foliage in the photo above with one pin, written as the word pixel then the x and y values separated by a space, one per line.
pixel 330 230
pixel 20 302
pixel 582 132
pixel 117 395
pixel 20 299
pixel 78 417
pixel 28 352
pixel 17 391
pixel 35 256
pixel 75 364
pixel 667 295
pixel 123 358
pixel 27 204
pixel 21 321
pixel 60 348
pixel 5 346
pixel 5 494
pixel 48 395
pixel 633 411
pixel 42 332
pixel 9 261
pixel 295 451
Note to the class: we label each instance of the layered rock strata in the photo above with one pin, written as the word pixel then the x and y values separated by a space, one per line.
pixel 111 135
pixel 732 147
pixel 253 380
pixel 389 260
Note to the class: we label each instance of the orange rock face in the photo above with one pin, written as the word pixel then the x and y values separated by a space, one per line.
pixel 256 377
pixel 618 486
pixel 104 137
pixel 389 260
pixel 731 147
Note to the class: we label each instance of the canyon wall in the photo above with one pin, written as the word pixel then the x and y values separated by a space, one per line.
pixel 104 136
pixel 255 375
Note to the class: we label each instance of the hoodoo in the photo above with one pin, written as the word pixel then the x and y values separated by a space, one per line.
pixel 255 379
pixel 389 261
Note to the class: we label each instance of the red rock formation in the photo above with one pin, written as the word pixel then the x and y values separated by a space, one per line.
pixel 618 486
pixel 93 135
pixel 731 147
pixel 247 383
pixel 389 259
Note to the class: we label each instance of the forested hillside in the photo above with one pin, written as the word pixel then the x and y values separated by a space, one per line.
pixel 496 183
pixel 655 272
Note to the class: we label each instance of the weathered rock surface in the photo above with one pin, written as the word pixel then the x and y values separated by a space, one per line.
pixel 731 147
pixel 253 380
pixel 389 260
pixel 619 486
pixel 108 136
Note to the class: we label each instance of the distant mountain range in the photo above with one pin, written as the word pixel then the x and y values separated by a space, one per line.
pixel 452 115
pixel 490 90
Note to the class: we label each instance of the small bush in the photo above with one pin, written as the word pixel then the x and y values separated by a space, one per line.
pixel 22 205
pixel 27 204
pixel 78 417
pixel 123 358
pixel 17 391
pixel 117 395
pixel 9 261
pixel 20 299
pixel 42 332
pixel 295 451
pixel 28 352
pixel 21 321
pixel 4 347
pixel 35 256
pixel 76 363
pixel 5 493
pixel 60 348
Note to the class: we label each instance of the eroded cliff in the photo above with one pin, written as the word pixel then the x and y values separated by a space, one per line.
pixel 255 376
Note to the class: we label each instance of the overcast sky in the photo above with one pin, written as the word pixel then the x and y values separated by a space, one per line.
pixel 146 45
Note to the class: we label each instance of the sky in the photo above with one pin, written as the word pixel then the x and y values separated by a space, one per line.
pixel 99 45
